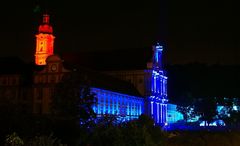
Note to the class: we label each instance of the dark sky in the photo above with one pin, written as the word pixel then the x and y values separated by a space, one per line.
pixel 205 31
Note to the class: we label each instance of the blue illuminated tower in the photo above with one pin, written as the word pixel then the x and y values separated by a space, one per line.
pixel 157 99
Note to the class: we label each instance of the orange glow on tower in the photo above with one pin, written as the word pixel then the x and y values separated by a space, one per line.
pixel 45 41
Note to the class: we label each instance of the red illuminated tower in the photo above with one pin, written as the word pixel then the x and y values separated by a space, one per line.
pixel 45 41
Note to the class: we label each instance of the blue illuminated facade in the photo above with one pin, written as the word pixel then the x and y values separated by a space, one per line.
pixel 172 114
pixel 124 107
pixel 157 99
pixel 128 107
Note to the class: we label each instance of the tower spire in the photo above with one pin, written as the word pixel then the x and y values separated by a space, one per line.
pixel 157 56
pixel 157 106
pixel 44 41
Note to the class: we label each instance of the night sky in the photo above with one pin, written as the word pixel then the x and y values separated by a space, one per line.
pixel 205 31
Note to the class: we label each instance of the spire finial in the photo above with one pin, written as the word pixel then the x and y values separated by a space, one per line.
pixel 158 46
pixel 157 56
pixel 46 18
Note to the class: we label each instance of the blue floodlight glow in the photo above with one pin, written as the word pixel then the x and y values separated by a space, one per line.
pixel 235 108
pixel 173 115
pixel 125 106
pixel 213 124
pixel 131 107
pixel 158 96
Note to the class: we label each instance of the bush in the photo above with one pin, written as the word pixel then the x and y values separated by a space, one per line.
pixel 45 141
pixel 13 140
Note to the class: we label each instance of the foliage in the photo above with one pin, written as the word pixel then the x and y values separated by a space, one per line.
pixel 45 141
pixel 232 121
pixel 186 107
pixel 210 109
pixel 206 108
pixel 71 108
pixel 105 135
pixel 13 140
pixel 73 100
pixel 228 114
pixel 187 112
pixel 140 132
pixel 204 138
pixel 136 135
pixel 107 119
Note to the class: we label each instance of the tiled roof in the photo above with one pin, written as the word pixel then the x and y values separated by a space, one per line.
pixel 103 81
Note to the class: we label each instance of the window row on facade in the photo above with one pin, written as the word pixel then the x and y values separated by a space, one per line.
pixel 9 80
pixel 114 103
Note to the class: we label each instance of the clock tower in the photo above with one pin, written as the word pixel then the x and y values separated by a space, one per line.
pixel 44 41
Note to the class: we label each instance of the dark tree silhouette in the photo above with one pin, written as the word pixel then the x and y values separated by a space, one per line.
pixel 206 108
pixel 73 99
pixel 186 107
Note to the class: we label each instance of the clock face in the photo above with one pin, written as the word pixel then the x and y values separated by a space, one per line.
pixel 54 67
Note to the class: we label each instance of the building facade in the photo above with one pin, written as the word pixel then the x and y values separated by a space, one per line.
pixel 157 100
pixel 124 93
pixel 124 107
pixel 151 83
pixel 44 83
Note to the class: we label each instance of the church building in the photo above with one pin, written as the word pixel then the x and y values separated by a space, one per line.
pixel 125 93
